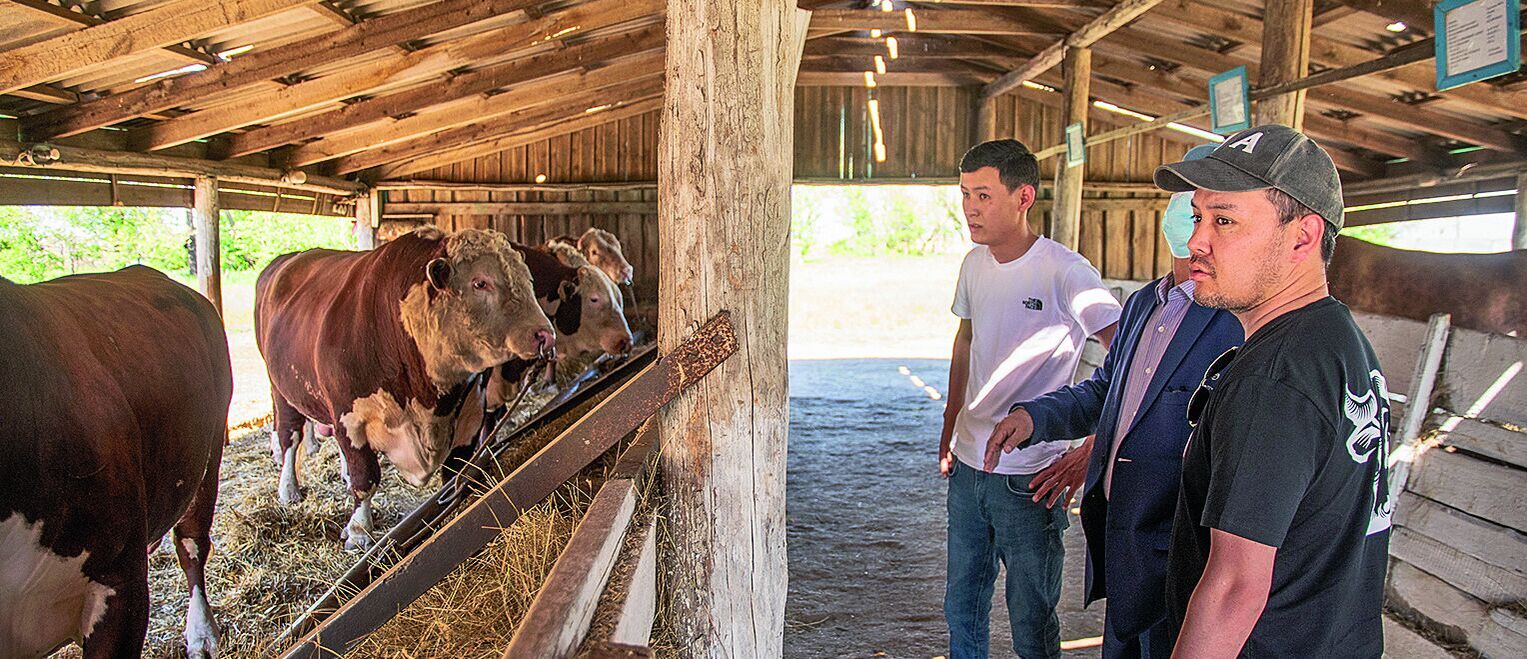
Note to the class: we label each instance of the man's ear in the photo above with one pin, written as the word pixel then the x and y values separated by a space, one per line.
pixel 439 273
pixel 1308 230
pixel 1026 196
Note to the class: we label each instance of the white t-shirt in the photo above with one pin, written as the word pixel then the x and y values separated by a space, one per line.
pixel 1030 319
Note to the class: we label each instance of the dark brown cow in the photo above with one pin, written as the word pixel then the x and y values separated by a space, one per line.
pixel 1486 292
pixel 382 347
pixel 114 393
pixel 599 248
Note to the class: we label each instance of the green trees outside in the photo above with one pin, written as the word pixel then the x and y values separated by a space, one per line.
pixel 883 220
pixel 40 243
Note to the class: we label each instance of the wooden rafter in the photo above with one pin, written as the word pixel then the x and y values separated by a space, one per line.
pixel 527 120
pixel 514 140
pixel 936 21
pixel 263 65
pixel 412 68
pixel 1374 108
pixel 893 78
pixel 67 16
pixel 567 92
pixel 168 24
pixel 1415 13
pixel 1085 36
pixel 907 46
pixel 81 159
pixel 579 56
pixel 1329 52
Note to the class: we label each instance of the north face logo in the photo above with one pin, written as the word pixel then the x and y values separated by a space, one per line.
pixel 1033 304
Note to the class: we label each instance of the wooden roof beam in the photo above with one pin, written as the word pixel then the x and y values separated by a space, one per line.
pixel 67 16
pixel 263 65
pixel 907 46
pixel 414 67
pixel 1328 52
pixel 435 151
pixel 563 90
pixel 168 24
pixel 936 21
pixel 1415 13
pixel 1325 129
pixel 1383 110
pixel 1085 36
pixel 82 159
pixel 892 79
pixel 583 55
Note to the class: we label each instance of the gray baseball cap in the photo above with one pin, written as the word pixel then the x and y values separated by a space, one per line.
pixel 1261 157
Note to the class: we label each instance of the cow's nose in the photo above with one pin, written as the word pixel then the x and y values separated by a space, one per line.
pixel 623 346
pixel 627 279
pixel 545 341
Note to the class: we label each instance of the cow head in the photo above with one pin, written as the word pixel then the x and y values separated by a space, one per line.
pixel 474 308
pixel 603 251
pixel 592 316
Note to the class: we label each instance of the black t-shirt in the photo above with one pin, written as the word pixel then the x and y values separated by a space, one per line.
pixel 1291 452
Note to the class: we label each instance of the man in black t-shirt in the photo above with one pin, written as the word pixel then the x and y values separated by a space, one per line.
pixel 1281 535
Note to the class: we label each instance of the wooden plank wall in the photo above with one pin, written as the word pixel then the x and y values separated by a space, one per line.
pixel 623 150
pixel 926 131
pixel 1458 547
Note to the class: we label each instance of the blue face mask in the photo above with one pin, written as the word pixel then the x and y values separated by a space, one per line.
pixel 1177 224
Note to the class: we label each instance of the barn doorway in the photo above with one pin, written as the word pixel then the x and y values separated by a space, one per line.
pixel 873 272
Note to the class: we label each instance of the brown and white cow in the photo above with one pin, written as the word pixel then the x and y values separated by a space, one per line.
pixel 1485 292
pixel 384 347
pixel 114 393
pixel 585 308
pixel 600 248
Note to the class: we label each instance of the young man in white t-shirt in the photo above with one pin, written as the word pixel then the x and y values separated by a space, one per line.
pixel 1027 305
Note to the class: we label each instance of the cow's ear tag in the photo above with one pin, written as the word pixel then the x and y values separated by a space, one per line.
pixel 567 290
pixel 439 273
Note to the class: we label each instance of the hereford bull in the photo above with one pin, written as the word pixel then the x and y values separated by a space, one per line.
pixel 601 249
pixel 384 347
pixel 585 308
pixel 1486 292
pixel 114 393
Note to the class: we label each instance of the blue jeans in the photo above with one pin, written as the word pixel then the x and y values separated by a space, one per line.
pixel 992 517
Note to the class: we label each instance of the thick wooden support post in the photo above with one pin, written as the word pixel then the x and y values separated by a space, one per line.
pixel 1066 220
pixel 1519 229
pixel 986 119
pixel 1285 57
pixel 205 214
pixel 367 218
pixel 724 175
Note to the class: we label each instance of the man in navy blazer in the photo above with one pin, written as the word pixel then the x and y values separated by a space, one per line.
pixel 1130 494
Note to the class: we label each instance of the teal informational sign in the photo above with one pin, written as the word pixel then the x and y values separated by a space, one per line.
pixel 1076 145
pixel 1476 40
pixel 1230 101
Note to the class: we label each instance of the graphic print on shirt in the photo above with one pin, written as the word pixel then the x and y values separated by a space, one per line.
pixel 1033 304
pixel 1369 414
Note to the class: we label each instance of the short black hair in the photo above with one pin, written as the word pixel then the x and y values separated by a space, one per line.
pixel 1289 209
pixel 1015 164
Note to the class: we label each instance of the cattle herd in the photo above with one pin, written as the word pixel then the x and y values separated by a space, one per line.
pixel 116 388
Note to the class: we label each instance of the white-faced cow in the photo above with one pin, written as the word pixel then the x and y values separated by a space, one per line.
pixel 383 347
pixel 586 309
pixel 600 248
pixel 114 393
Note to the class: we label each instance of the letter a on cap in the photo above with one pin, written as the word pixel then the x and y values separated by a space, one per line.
pixel 1249 142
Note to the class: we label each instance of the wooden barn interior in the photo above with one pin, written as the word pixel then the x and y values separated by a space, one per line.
pixel 543 118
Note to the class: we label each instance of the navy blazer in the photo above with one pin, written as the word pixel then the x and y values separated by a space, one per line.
pixel 1134 528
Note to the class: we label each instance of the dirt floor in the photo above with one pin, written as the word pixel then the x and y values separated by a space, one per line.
pixel 867 521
